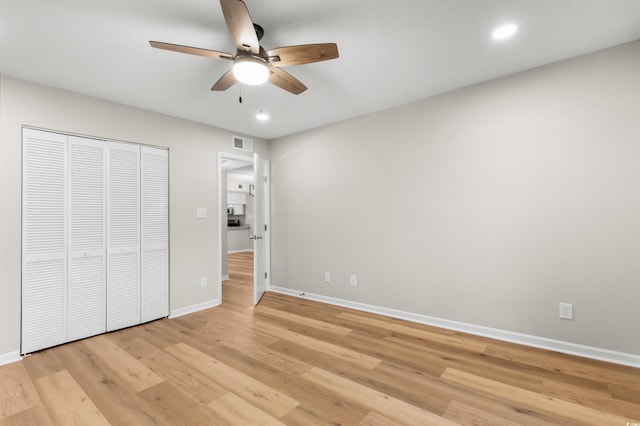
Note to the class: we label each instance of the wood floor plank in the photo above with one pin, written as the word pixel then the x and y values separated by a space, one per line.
pixel 628 393
pixel 526 377
pixel 574 412
pixel 390 351
pixel 233 410
pixel 116 400
pixel 452 341
pixel 16 390
pixel 188 380
pixel 300 319
pixel 66 402
pixel 395 409
pixel 270 400
pixel 36 415
pixel 591 371
pixel 330 349
pixel 41 364
pixel 124 366
pixel 467 415
pixel 377 419
pixel 587 396
pixel 319 401
pixel 176 407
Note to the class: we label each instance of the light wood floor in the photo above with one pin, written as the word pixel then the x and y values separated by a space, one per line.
pixel 292 361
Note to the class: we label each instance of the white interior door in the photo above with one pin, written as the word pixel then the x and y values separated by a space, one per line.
pixel 123 236
pixel 259 240
pixel 86 285
pixel 44 240
pixel 154 288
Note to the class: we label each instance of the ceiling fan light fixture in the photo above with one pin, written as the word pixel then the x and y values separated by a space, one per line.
pixel 251 71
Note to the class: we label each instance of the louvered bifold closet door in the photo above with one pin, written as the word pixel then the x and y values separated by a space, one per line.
pixel 155 233
pixel 44 254
pixel 87 238
pixel 123 290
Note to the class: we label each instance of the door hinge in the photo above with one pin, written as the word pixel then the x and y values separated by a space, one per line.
pixel 266 179
pixel 265 227
pixel 265 275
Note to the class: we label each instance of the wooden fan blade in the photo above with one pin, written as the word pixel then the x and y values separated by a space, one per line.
pixel 286 81
pixel 240 26
pixel 302 54
pixel 191 50
pixel 227 80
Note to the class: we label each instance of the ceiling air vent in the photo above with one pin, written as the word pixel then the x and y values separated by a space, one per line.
pixel 242 144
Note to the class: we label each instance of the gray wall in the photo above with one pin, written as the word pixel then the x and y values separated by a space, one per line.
pixel 488 205
pixel 193 152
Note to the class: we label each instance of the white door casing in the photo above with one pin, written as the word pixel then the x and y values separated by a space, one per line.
pixel 259 246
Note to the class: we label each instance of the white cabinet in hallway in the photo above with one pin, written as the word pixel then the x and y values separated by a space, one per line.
pixel 238 239
pixel 95 258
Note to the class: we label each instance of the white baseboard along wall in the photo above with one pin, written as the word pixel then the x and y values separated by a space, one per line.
pixel 10 357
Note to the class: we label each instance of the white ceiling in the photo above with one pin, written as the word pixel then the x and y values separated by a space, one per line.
pixel 391 52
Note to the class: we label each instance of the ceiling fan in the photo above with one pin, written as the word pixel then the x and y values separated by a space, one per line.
pixel 252 64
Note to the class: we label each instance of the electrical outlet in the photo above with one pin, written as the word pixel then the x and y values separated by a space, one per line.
pixel 566 311
pixel 353 280
pixel 203 282
pixel 327 277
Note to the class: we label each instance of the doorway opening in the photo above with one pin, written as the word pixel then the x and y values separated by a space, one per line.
pixel 243 243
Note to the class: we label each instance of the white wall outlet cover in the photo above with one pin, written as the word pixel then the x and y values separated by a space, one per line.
pixel 327 277
pixel 353 280
pixel 201 212
pixel 203 282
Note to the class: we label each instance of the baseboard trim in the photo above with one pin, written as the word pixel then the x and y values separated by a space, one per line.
pixel 193 308
pixel 569 348
pixel 224 277
pixel 240 251
pixel 10 357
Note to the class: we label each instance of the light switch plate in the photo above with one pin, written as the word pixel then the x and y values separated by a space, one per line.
pixel 566 311
pixel 201 212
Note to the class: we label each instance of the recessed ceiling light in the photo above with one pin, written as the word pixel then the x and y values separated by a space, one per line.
pixel 262 116
pixel 504 32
